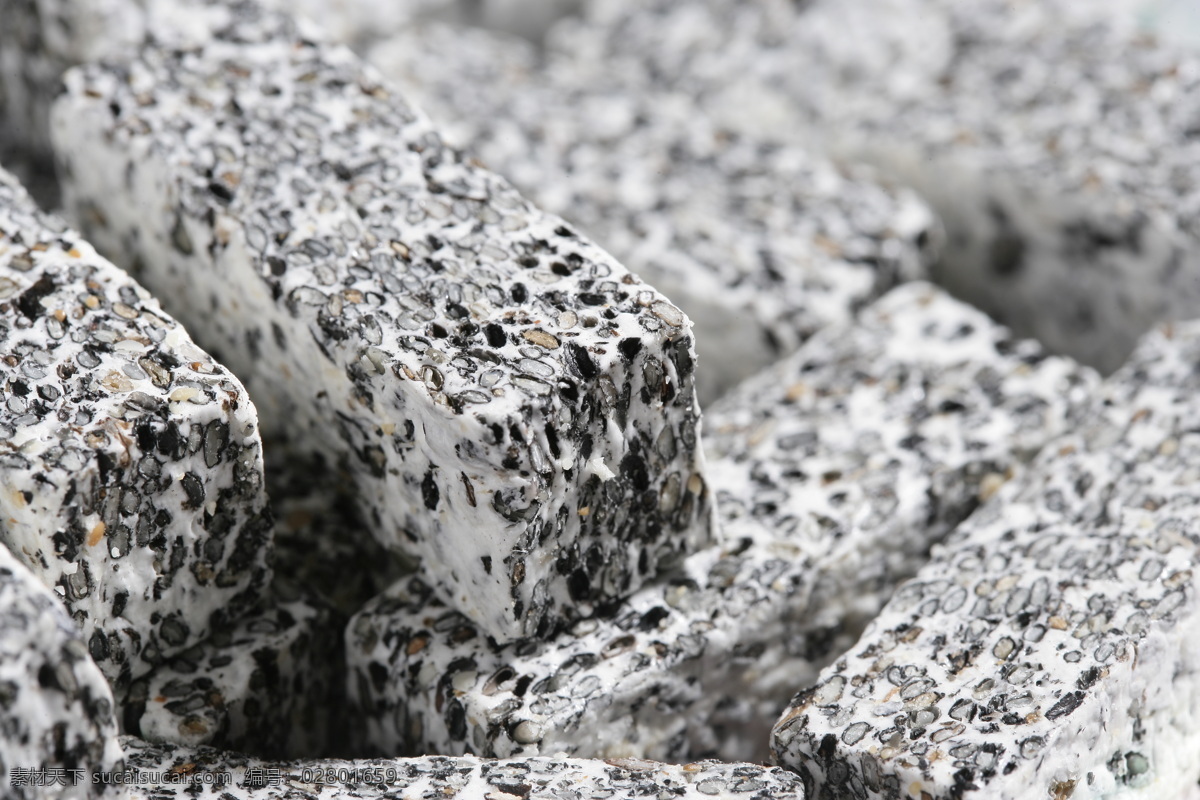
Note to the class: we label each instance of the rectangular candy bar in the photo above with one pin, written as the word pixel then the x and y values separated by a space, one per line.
pixel 1012 119
pixel 57 709
pixel 203 772
pixel 1035 183
pixel 39 40
pixel 517 408
pixel 130 460
pixel 836 471
pixel 761 244
pixel 1048 649
pixel 270 685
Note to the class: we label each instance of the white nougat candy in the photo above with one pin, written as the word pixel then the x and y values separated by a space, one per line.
pixel 130 460
pixel 516 407
pixel 39 39
pixel 760 244
pixel 1049 647
pixel 271 685
pixel 56 710
pixel 361 24
pixel 481 72
pixel 42 39
pixel 837 470
pixel 163 772
pixel 1012 119
pixel 1034 151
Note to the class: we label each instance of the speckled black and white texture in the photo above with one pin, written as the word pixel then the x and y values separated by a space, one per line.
pixel 56 710
pixel 1048 648
pixel 476 363
pixel 130 460
pixel 1070 192
pixel 271 685
pixel 761 244
pixel 1070 216
pixel 41 39
pixel 838 468
pixel 438 777
pixel 1065 177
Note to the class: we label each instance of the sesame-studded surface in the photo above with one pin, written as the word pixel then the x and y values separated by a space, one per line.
pixel 271 685
pixel 1065 177
pixel 1070 189
pixel 38 41
pixel 130 461
pixel 41 39
pixel 437 776
pixel 1048 647
pixel 56 710
pixel 838 469
pixel 516 407
pixel 761 244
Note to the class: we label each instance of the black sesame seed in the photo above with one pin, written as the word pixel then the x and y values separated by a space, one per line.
pixel 221 191
pixel 494 334
pixel 429 491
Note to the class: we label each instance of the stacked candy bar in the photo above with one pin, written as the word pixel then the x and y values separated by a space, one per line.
pixel 1066 178
pixel 762 245
pixel 1048 648
pixel 1073 180
pixel 838 469
pixel 56 710
pixel 41 39
pixel 195 773
pixel 30 66
pixel 270 685
pixel 516 407
pixel 739 61
pixel 130 460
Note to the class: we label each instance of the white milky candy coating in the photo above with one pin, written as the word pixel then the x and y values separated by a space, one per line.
pixel 1066 178
pixel 517 408
pixel 56 710
pixel 761 244
pixel 1048 648
pixel 130 463
pixel 838 468
pixel 270 685
pixel 439 776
